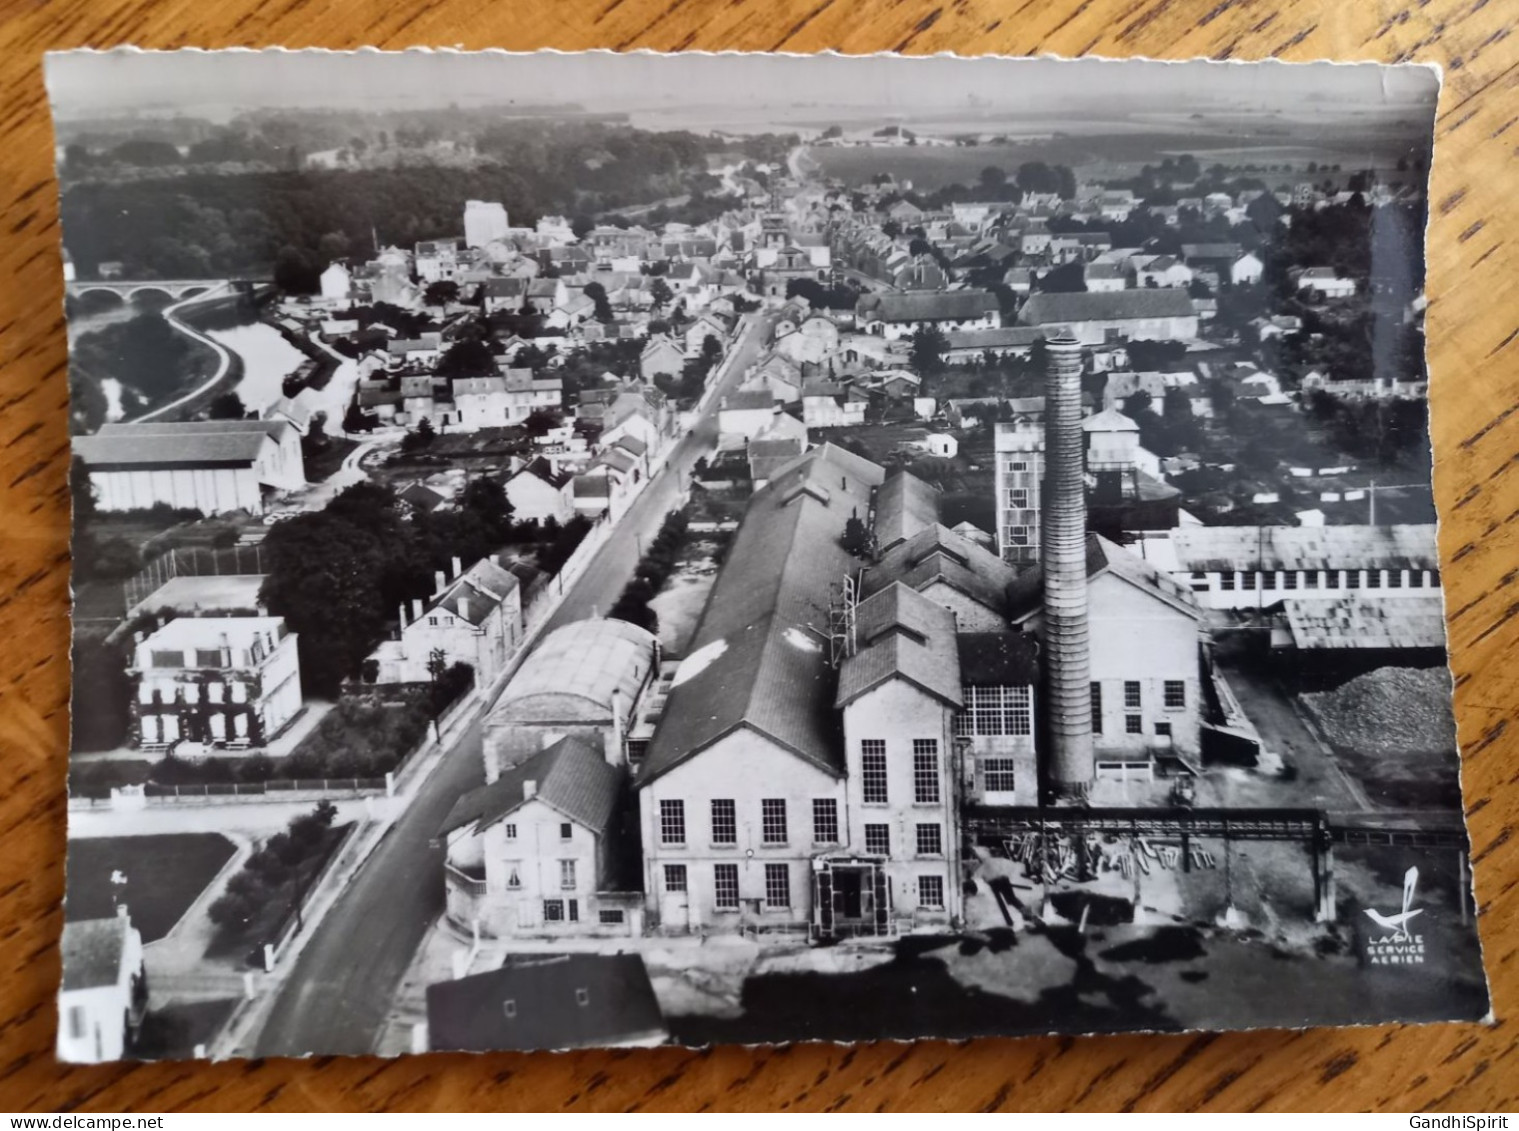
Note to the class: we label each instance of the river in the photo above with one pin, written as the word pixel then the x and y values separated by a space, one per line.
pixel 266 356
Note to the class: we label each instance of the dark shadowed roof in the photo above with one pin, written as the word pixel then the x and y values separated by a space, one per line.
pixel 1103 306
pixel 998 659
pixel 757 659
pixel 92 952
pixel 570 776
pixel 547 1001
pixel 902 635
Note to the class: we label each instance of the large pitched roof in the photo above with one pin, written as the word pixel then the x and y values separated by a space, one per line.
pixel 937 553
pixel 928 306
pixel 1103 557
pixel 477 592
pixel 558 1001
pixel 196 442
pixel 1101 306
pixel 757 660
pixel 902 635
pixel 905 505
pixel 570 776
pixel 1206 548
pixel 92 952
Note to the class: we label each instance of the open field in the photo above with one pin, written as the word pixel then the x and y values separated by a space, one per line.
pixel 165 875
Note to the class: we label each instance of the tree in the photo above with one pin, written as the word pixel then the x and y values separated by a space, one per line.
pixel 420 437
pixel 540 423
pixel 227 406
pixel 468 357
pixel 581 226
pixel 833 132
pixel 659 293
pixel 928 347
pixel 486 498
pixel 598 295
pixel 993 177
pixel 1066 279
pixel 295 273
pixel 856 538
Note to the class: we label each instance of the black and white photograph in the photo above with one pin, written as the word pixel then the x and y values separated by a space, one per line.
pixel 595 550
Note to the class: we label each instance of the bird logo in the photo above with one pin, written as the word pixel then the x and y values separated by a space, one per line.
pixel 1398 924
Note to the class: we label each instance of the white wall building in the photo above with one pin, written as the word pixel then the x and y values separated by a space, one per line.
pixel 104 991
pixel 484 222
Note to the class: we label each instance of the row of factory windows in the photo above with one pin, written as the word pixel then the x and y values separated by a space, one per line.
pixel 1252 580
pixel 928 835
pixel 726 894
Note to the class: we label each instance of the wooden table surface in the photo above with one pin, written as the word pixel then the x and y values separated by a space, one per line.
pixel 1473 326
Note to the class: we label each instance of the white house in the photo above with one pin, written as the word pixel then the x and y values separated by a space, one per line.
pixel 1152 314
pixel 104 993
pixel 533 854
pixel 475 619
pixel 746 412
pixel 1323 281
pixel 224 681
pixel 829 404
pixel 336 282
pixel 213 466
pixel 484 222
pixel 538 493
pixel 1246 270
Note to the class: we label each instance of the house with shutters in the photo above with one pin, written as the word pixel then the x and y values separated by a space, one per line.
pixel 473 617
pixel 539 851
pixel 229 681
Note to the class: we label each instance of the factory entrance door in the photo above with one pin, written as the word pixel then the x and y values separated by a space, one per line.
pixel 851 897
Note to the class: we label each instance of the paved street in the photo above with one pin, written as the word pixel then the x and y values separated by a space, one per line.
pixel 336 998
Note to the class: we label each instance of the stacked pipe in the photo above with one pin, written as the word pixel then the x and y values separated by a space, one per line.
pixel 1067 641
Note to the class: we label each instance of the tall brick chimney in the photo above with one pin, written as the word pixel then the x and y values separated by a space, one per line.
pixel 1070 768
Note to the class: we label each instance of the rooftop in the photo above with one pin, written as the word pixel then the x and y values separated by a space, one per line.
pixel 757 659
pixel 1205 548
pixel 1103 558
pixel 1355 622
pixel 937 553
pixel 927 306
pixel 902 634
pixel 569 776
pixel 905 505
pixel 93 951
pixel 558 1001
pixel 1099 306
pixel 192 442
pixel 998 659
pixel 594 660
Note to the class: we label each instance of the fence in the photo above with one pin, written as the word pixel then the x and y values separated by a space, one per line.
pixel 257 788
pixel 191 561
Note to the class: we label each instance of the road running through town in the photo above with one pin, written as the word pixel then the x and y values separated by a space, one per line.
pixel 337 996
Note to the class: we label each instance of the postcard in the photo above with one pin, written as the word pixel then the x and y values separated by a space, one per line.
pixel 579 550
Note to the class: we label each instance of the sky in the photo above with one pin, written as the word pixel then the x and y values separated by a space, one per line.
pixel 217 84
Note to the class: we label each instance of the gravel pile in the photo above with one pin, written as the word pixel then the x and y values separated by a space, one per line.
pixel 1389 711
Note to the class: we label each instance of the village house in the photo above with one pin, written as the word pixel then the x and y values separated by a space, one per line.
pixel 1104 277
pixel 213 466
pixel 706 326
pixel 661 356
pixel 898 316
pixel 970 346
pixel 1133 315
pixel 505 295
pixel 537 493
pixel 1077 247
pixel 1160 271
pixel 745 413
pixel 536 852
pixel 104 993
pixel 437 260
pixel 475 618
pixel 966 578
pixel 231 681
pixel 1323 282
pixel 484 222
pixel 813 341
pixel 1246 270
pixel 831 404
pixel 336 282
pixel 642 415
